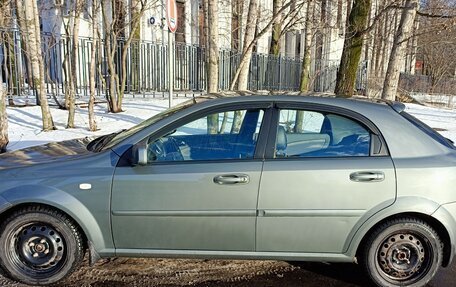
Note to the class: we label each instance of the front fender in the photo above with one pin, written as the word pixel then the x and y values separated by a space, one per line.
pixel 4 205
pixel 370 219
pixel 65 202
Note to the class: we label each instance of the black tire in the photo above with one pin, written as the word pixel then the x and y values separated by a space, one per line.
pixel 402 252
pixel 39 246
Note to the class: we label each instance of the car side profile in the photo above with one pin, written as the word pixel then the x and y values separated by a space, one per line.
pixel 296 178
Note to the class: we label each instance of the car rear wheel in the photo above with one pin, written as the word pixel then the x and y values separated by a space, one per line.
pixel 39 246
pixel 402 252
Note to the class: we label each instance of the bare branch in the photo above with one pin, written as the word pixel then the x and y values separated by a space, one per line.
pixel 440 16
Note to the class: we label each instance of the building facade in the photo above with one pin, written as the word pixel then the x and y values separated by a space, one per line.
pixel 329 19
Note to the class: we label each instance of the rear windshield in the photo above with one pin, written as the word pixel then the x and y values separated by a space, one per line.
pixel 428 130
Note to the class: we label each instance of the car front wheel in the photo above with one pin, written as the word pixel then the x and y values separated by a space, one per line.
pixel 402 252
pixel 39 246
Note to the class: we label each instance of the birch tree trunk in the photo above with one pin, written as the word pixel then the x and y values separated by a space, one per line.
pixel 3 121
pixel 93 71
pixel 212 56
pixel 397 56
pixel 108 9
pixel 247 48
pixel 377 48
pixel 306 60
pixel 78 6
pixel 212 63
pixel 351 53
pixel 111 47
pixel 135 21
pixel 274 47
pixel 31 31
pixel 20 15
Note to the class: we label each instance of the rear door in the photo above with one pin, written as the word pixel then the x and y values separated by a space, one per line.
pixel 325 169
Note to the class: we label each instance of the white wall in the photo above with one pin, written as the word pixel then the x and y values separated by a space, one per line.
pixel 151 32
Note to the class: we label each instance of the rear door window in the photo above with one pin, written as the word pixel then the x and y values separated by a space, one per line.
pixel 314 134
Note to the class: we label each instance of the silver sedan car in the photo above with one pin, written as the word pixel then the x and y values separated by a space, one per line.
pixel 255 177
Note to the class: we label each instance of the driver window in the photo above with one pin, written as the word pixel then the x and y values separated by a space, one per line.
pixel 218 136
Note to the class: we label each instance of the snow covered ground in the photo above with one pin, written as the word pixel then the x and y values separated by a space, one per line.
pixel 25 122
pixel 441 119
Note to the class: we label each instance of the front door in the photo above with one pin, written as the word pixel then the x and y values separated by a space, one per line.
pixel 328 170
pixel 199 190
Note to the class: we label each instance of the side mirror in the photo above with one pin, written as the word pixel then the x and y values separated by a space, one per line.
pixel 140 154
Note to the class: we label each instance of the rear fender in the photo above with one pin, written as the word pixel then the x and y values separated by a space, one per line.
pixel 370 219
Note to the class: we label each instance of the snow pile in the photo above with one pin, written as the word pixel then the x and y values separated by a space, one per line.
pixel 25 122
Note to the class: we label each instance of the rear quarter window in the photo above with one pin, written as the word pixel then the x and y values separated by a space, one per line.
pixel 428 130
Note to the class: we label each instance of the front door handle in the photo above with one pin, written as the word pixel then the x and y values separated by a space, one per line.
pixel 367 176
pixel 232 179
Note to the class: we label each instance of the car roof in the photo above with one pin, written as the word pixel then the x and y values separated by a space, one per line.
pixel 353 103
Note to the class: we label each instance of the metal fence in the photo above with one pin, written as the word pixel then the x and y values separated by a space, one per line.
pixel 147 65
pixel 424 84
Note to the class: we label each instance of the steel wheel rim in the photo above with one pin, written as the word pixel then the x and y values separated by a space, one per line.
pixel 37 247
pixel 404 257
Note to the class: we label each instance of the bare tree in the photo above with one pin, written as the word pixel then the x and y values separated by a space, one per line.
pixel 212 56
pixel 351 54
pixel 237 6
pixel 439 56
pixel 376 61
pixel 306 60
pixel 398 50
pixel 283 24
pixel 436 42
pixel 5 17
pixel 274 48
pixel 9 46
pixel 248 45
pixel 116 27
pixel 74 51
pixel 3 121
pixel 30 28
pixel 247 50
pixel 93 68
pixel 212 63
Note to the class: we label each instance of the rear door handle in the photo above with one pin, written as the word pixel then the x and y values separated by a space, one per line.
pixel 232 179
pixel 367 176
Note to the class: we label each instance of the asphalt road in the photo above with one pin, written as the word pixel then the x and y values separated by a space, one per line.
pixel 223 273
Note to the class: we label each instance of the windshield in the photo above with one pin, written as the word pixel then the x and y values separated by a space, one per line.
pixel 127 133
